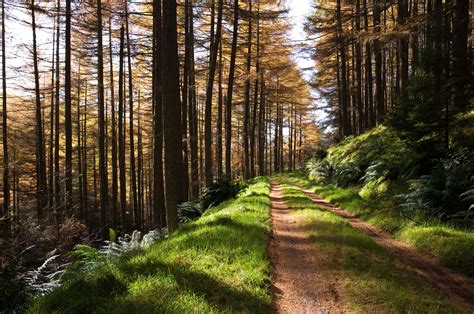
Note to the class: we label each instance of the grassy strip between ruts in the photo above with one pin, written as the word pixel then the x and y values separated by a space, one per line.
pixel 215 264
pixel 368 279
pixel 452 247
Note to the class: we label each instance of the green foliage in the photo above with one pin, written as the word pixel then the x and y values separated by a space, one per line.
pixel 215 264
pixel 218 192
pixel 443 191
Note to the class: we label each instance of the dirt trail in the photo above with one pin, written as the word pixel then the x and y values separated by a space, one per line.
pixel 300 284
pixel 457 287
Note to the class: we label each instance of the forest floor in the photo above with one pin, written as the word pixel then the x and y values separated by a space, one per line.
pixel 327 260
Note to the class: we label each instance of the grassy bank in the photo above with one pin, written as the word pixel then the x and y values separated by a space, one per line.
pixel 215 264
pixel 451 246
pixel 368 279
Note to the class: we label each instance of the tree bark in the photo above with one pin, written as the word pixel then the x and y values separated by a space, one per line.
pixel 246 132
pixel 230 87
pixel 133 173
pixel 6 166
pixel 209 94
pixel 159 212
pixel 104 189
pixel 40 160
pixel 171 114
pixel 67 108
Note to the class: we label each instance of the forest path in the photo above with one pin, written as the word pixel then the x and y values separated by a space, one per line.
pixel 300 283
pixel 454 285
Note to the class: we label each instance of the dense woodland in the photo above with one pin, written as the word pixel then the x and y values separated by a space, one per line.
pixel 127 117
pixel 113 123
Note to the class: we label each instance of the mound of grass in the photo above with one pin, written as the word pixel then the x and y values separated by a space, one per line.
pixel 215 264
pixel 451 246
pixel 371 280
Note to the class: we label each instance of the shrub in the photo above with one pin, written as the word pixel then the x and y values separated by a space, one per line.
pixel 444 192
pixel 218 192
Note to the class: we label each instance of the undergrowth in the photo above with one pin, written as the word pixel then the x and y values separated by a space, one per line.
pixel 452 246
pixel 217 263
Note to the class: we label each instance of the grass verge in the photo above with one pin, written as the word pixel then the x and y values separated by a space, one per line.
pixel 451 246
pixel 371 281
pixel 215 264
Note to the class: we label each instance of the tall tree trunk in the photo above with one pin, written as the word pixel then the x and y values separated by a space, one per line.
pixel 461 63
pixel 246 134
pixel 185 100
pixel 402 15
pixel 261 127
pixel 133 173
pixel 6 166
pixel 209 93
pixel 230 88
pixel 159 212
pixel 79 152
pixel 192 109
pixel 121 133
pixel 57 174
pixel 40 160
pixel 255 102
pixel 219 118
pixel 84 159
pixel 358 78
pixel 379 89
pixel 369 99
pixel 114 133
pixel 343 62
pixel 104 189
pixel 67 108
pixel 171 114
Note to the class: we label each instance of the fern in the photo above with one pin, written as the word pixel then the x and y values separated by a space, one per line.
pixel 45 278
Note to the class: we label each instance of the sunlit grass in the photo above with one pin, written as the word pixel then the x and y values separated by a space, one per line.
pixel 215 264
pixel 371 280
pixel 451 246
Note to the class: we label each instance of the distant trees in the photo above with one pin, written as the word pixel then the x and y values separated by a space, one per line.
pixel 416 74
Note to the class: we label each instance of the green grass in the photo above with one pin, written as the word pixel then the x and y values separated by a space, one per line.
pixel 215 264
pixel 371 280
pixel 451 246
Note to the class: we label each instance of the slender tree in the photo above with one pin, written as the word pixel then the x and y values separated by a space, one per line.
pixel 159 213
pixel 230 88
pixel 104 189
pixel 67 107
pixel 6 166
pixel 40 160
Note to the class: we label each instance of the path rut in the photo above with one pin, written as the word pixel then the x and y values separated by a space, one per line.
pixel 454 285
pixel 300 284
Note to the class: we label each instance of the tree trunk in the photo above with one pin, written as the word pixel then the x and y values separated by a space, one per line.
pixel 171 114
pixel 379 90
pixel 104 189
pixel 114 134
pixel 40 161
pixel 246 134
pixel 67 108
pixel 6 166
pixel 121 137
pixel 192 109
pixel 133 173
pixel 159 212
pixel 461 64
pixel 209 92
pixel 230 87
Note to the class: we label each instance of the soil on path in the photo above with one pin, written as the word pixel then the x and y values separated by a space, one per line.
pixel 300 283
pixel 454 285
